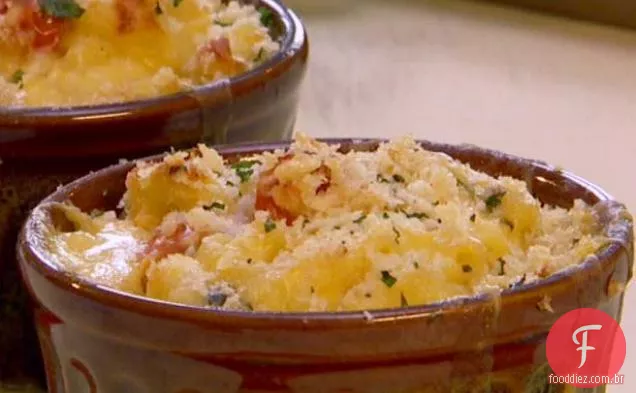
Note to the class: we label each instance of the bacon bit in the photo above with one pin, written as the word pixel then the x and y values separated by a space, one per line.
pixel 268 182
pixel 220 47
pixel 222 51
pixel 175 243
pixel 543 272
pixel 326 172
pixel 264 194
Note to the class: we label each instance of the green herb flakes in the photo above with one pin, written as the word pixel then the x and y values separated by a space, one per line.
pixel 467 268
pixel 397 235
pixel 17 78
pixel 381 179
pixel 388 279
pixel 502 266
pixel 398 179
pixel 222 23
pixel 176 3
pixel 215 205
pixel 244 169
pixel 217 299
pixel 260 56
pixel 494 200
pixel 62 9
pixel 403 301
pixel 269 225
pixel 508 223
pixel 267 17
pixel 518 283
pixel 360 219
pixel 158 9
pixel 417 215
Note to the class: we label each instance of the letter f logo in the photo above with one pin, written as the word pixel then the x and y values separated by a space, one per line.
pixel 583 344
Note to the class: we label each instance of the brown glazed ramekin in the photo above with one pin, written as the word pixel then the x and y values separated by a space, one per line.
pixel 41 148
pixel 99 340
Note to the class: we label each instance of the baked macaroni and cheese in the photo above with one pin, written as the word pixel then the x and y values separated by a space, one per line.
pixel 86 52
pixel 314 229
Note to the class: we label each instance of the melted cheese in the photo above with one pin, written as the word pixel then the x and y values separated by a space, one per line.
pixel 121 50
pixel 312 229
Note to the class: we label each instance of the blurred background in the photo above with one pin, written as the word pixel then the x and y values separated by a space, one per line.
pixel 531 84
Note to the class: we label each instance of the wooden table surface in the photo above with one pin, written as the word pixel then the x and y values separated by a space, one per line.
pixel 450 71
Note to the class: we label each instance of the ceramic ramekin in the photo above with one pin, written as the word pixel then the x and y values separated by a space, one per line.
pixel 99 340
pixel 41 148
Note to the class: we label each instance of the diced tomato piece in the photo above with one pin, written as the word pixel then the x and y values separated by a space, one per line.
pixel 47 30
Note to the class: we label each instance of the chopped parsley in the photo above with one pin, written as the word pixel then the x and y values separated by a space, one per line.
pixel 502 266
pixel 385 215
pixel 269 225
pixel 403 301
pixel 436 203
pixel 215 205
pixel 467 268
pixel 494 200
pixel 229 183
pixel 519 282
pixel 360 219
pixel 249 261
pixel 473 217
pixel 398 179
pixel 508 223
pixel 176 3
pixel 62 9
pixel 260 55
pixel 367 295
pixel 397 235
pixel 416 215
pixel 244 169
pixel 337 227
pixel 217 299
pixel 221 23
pixel 388 279
pixel 381 179
pixel 158 9
pixel 465 186
pixel 416 265
pixel 17 78
pixel 267 17
pixel 312 289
